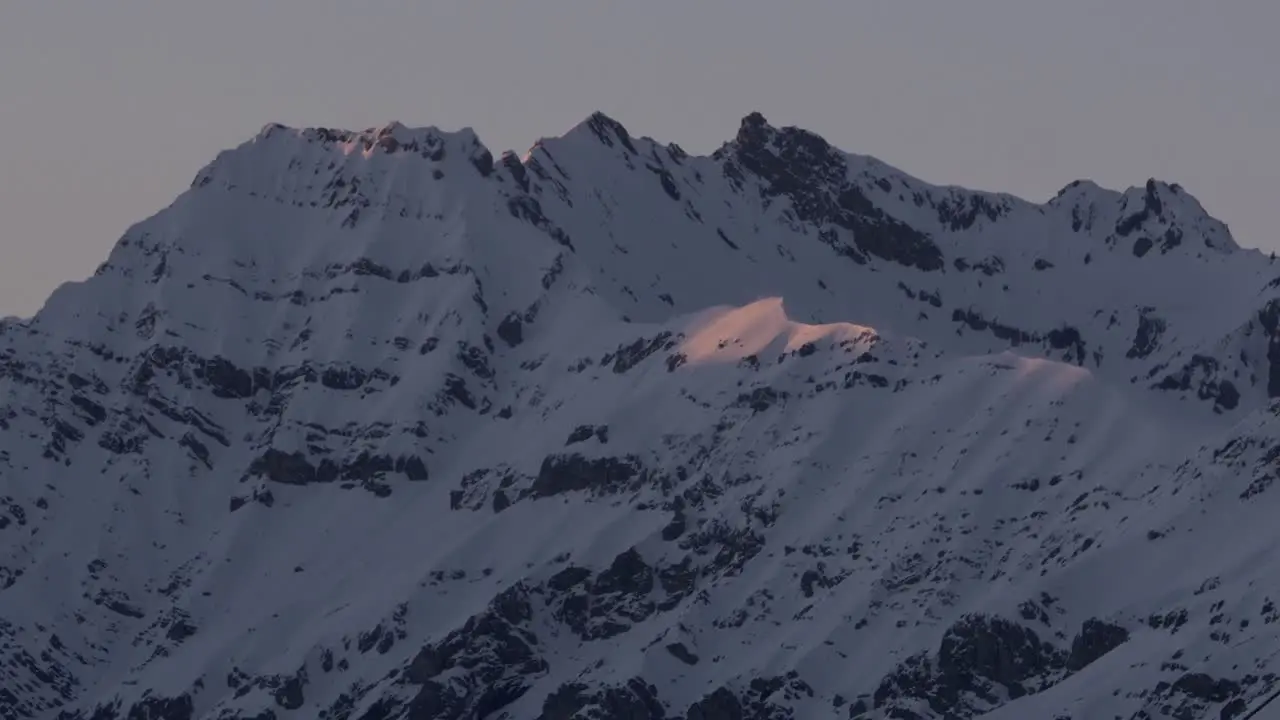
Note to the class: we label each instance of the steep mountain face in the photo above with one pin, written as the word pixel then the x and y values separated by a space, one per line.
pixel 370 425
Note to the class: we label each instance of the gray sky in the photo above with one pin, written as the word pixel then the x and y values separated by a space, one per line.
pixel 108 109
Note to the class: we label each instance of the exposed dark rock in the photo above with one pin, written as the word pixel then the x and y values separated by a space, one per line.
pixel 1152 207
pixel 1061 338
pixel 955 213
pixel 1198 695
pixel 223 379
pixel 988 266
pixel 500 501
pixel 635 700
pixel 292 468
pixel 608 604
pixel 1269 318
pixel 197 448
pixel 93 412
pixel 1205 687
pixel 513 166
pixel 607 130
pixel 482 161
pixel 674 529
pixel 980 659
pixel 568 473
pixel 343 378
pixel 1210 386
pixel 580 434
pixel 667 181
pixel 726 239
pixel 427 664
pixel 1147 337
pixel 366 468
pixel 1013 336
pixel 1096 638
pixel 721 704
pixel 730 548
pixel 627 574
pixel 802 167
pixel 180 629
pixel 682 653
pixel 510 330
pixel 289 695
pixel 569 577
pixel 755 702
pixel 761 399
pixel 119 603
pixel 528 209
pixel 412 467
pixel 1067 337
pixel 156 708
pixel 628 356
pixel 496 660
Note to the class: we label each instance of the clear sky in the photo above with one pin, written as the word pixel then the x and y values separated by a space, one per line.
pixel 108 109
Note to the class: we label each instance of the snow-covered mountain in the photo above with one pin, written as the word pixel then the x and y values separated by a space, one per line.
pixel 369 425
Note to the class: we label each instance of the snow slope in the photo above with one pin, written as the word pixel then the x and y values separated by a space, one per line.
pixel 371 425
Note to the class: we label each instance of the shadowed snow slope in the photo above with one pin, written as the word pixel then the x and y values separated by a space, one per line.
pixel 370 425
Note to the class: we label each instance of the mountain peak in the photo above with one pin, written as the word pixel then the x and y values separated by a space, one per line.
pixel 1161 214
pixel 366 424
pixel 753 121
pixel 755 133
pixel 604 130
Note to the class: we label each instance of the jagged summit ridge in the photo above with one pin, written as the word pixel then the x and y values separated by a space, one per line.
pixel 389 137
pixel 754 132
pixel 372 425
pixel 861 208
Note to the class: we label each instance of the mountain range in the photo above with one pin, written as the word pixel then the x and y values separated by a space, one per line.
pixel 370 425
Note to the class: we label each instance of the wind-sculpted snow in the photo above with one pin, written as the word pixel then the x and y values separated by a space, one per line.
pixel 370 425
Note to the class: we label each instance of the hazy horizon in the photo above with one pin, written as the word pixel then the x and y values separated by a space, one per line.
pixel 111 109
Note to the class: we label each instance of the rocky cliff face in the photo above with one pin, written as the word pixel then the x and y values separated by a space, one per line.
pixel 370 425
